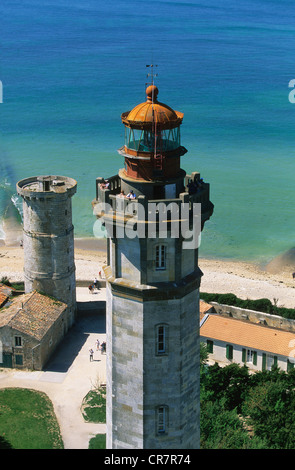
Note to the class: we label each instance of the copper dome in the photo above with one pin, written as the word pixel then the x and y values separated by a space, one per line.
pixel 152 112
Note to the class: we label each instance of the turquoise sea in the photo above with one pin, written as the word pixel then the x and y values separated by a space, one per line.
pixel 69 68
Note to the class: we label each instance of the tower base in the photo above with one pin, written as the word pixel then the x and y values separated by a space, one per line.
pixel 152 366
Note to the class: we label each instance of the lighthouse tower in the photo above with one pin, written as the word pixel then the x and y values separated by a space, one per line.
pixel 48 238
pixel 153 283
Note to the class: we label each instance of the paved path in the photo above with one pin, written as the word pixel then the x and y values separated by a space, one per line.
pixel 70 375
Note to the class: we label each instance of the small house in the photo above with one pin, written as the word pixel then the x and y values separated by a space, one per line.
pixel 31 327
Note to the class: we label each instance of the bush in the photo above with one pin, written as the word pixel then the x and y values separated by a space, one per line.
pixel 259 305
pixel 94 406
pixel 5 280
pixel 98 442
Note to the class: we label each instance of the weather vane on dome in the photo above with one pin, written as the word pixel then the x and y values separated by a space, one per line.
pixel 152 74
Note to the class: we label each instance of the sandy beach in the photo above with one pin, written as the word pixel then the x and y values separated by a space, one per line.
pixel 246 280
pixel 90 256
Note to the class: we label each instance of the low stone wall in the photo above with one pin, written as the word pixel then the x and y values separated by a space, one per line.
pixel 253 316
pixel 91 308
pixel 86 283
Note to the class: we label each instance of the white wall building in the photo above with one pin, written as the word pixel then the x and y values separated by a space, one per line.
pixel 258 347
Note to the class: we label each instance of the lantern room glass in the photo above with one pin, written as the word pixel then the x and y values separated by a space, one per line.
pixel 148 141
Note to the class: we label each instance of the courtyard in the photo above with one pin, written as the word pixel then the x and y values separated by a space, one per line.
pixel 70 375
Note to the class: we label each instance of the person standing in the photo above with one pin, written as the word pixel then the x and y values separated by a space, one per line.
pixel 91 354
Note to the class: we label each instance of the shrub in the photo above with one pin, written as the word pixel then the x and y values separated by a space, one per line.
pixel 5 280
pixel 94 406
pixel 97 442
pixel 259 305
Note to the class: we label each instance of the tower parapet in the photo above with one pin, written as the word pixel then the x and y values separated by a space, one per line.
pixel 48 237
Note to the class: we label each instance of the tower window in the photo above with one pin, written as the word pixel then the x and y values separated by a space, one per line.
pixel 161 339
pixel 162 419
pixel 160 257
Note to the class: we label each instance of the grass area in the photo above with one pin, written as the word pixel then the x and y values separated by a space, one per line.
pixel 94 406
pixel 94 411
pixel 98 442
pixel 15 285
pixel 27 420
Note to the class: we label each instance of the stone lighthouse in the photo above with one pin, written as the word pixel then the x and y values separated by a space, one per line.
pixel 48 238
pixel 151 210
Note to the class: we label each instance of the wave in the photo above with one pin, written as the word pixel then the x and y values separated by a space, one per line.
pixel 2 232
pixel 11 213
pixel 18 204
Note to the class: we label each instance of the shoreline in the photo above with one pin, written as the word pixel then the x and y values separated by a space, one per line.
pixel 247 281
pixel 244 279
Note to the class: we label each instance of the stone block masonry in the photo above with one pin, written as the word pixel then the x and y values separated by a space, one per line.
pixel 48 237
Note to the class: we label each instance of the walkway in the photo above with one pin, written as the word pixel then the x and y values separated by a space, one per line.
pixel 70 375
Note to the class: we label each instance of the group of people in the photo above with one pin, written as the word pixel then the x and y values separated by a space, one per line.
pixel 99 347
pixel 105 184
pixel 195 186
pixel 95 284
pixel 130 195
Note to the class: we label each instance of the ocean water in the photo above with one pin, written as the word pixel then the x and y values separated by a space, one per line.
pixel 69 68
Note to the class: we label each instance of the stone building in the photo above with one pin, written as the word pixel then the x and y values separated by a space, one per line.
pixel 31 327
pixel 153 283
pixel 48 238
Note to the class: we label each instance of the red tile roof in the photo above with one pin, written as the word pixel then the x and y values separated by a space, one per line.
pixel 3 298
pixel 32 314
pixel 205 308
pixel 249 335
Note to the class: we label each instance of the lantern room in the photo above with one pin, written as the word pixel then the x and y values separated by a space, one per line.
pixel 152 147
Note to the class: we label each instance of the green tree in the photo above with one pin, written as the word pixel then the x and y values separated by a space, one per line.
pixel 271 410
pixel 203 353
pixel 230 383
pixel 223 429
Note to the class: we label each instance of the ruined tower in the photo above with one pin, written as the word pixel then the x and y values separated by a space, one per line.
pixel 153 283
pixel 48 238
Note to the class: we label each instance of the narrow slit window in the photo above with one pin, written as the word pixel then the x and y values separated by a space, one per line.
pixel 161 339
pixel 162 419
pixel 160 257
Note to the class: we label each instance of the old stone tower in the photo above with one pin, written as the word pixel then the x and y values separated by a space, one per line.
pixel 153 283
pixel 48 238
